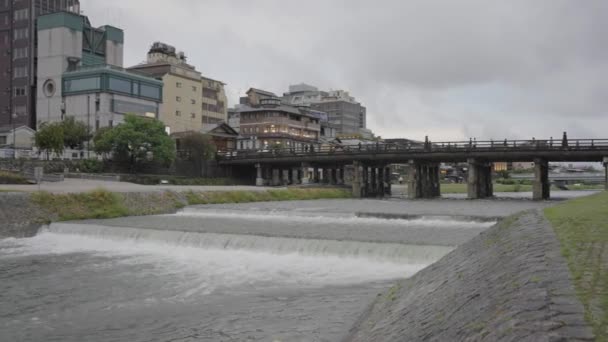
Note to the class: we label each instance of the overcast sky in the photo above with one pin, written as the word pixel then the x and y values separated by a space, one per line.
pixel 447 69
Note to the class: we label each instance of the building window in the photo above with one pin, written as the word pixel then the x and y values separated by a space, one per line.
pixel 20 53
pixel 178 113
pixel 3 140
pixel 120 85
pixel 82 84
pixel 178 99
pixel 150 91
pixel 111 123
pixel 20 110
pixel 178 84
pixel 22 14
pixel 193 102
pixel 192 115
pixel 194 88
pixel 20 71
pixel 20 91
pixel 21 33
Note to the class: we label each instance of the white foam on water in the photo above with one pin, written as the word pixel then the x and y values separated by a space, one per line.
pixel 196 263
pixel 331 218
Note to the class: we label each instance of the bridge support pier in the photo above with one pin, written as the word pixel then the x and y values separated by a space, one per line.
pixel 316 175
pixel 340 175
pixel 541 187
pixel 259 180
pixel 276 177
pixel 423 180
pixel 285 176
pixel 480 179
pixel 305 173
pixel 358 187
pixel 606 173
pixel 295 176
pixel 387 181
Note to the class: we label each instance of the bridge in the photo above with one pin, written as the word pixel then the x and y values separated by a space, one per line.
pixel 366 167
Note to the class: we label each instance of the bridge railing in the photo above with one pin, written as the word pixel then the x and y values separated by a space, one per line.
pixel 425 147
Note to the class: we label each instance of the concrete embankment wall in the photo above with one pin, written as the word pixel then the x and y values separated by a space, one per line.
pixel 508 284
pixel 22 217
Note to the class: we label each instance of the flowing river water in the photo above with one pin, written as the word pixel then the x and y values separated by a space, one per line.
pixel 298 271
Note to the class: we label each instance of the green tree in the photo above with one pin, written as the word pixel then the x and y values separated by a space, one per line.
pixel 136 140
pixel 75 133
pixel 49 138
pixel 102 141
pixel 197 147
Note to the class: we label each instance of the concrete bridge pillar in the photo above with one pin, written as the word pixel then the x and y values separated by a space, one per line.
pixel 340 175
pixel 606 173
pixel 423 180
pixel 541 187
pixel 366 187
pixel 285 176
pixel 373 181
pixel 259 180
pixel 316 175
pixel 330 176
pixel 357 180
pixel 387 181
pixel 276 177
pixel 480 179
pixel 305 173
pixel 295 176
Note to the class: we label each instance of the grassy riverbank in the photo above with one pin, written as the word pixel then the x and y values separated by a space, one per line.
pixel 462 188
pixel 101 204
pixel 582 228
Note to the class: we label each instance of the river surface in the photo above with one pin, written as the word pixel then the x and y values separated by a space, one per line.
pixel 292 271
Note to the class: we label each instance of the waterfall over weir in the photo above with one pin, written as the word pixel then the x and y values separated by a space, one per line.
pixel 382 252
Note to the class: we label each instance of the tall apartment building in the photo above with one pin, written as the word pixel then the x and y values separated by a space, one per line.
pixel 190 101
pixel 80 74
pixel 345 113
pixel 18 51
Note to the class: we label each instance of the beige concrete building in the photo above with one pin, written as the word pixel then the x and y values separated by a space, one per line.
pixel 215 102
pixel 190 101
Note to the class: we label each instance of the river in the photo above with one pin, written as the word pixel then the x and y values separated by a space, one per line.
pixel 290 271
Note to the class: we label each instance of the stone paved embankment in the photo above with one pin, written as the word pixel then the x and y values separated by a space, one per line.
pixel 508 284
pixel 21 217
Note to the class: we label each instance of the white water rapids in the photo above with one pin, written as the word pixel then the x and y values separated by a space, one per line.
pixel 208 274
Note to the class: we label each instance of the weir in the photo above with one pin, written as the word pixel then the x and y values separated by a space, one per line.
pixel 382 252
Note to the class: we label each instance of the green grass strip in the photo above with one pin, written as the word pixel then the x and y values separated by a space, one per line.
pixel 582 228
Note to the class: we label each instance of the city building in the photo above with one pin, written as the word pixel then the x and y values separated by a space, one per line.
pixel 21 137
pixel 254 96
pixel 267 123
pixel 348 115
pixel 18 57
pixel 190 101
pixel 80 74
pixel 215 103
pixel 182 105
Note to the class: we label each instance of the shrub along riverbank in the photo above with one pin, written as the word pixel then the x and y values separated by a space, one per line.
pixel 582 228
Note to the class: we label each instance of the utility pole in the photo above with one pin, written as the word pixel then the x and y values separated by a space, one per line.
pixel 89 125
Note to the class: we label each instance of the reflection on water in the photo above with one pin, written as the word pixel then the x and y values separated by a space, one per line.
pixel 96 282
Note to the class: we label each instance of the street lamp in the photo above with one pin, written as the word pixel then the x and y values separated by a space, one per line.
pixel 13 119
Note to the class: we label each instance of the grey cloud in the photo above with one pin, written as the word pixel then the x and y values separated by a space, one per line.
pixel 451 69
